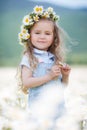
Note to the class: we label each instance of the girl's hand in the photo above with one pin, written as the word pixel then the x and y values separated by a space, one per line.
pixel 54 72
pixel 65 70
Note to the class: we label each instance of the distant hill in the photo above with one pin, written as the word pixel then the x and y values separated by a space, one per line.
pixel 11 14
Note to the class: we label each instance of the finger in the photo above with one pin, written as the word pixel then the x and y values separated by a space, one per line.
pixel 58 70
pixel 56 67
pixel 57 73
pixel 66 66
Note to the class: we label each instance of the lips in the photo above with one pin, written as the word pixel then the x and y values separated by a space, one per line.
pixel 42 41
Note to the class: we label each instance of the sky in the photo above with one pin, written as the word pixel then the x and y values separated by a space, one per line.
pixel 67 3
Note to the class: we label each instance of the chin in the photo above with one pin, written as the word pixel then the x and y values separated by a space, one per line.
pixel 41 48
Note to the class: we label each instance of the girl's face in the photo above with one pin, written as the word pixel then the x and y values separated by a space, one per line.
pixel 42 35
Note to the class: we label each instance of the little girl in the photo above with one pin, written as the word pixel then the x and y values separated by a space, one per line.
pixel 41 65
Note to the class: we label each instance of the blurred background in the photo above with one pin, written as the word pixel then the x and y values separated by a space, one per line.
pixel 73 19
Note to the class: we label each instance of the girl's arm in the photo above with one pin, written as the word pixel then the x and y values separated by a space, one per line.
pixel 30 82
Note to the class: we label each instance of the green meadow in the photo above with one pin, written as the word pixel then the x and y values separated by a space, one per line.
pixel 74 22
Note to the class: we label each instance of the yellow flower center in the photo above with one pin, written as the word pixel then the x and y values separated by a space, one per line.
pixel 40 9
pixel 24 31
pixel 37 9
pixel 27 20
pixel 28 36
pixel 21 35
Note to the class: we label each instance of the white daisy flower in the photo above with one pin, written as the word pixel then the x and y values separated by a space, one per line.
pixel 56 17
pixel 26 36
pixel 38 9
pixel 24 31
pixel 27 20
pixel 50 10
pixel 20 36
pixel 46 14
pixel 36 18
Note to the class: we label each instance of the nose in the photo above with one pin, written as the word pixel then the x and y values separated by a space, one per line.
pixel 42 36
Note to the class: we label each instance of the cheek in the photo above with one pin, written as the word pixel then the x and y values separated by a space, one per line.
pixel 51 39
pixel 32 38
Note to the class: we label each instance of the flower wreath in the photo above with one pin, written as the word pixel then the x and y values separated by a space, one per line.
pixel 30 19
